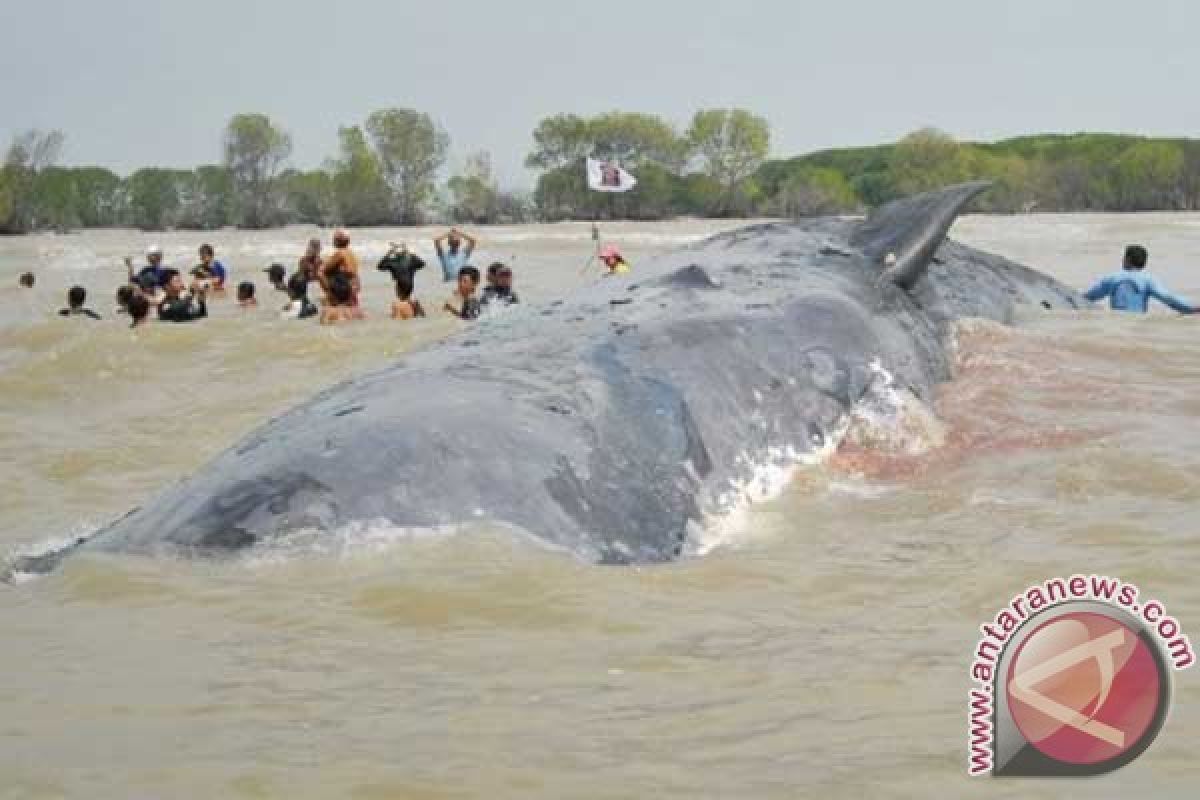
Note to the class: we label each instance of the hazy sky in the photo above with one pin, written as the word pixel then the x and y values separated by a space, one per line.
pixel 137 83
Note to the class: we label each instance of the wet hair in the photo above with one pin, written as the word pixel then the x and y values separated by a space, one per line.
pixel 139 307
pixel 124 295
pixel 167 276
pixel 276 272
pixel 76 296
pixel 297 286
pixel 470 272
pixel 207 250
pixel 404 287
pixel 493 270
pixel 1136 256
pixel 26 280
pixel 245 290
pixel 341 241
pixel 341 290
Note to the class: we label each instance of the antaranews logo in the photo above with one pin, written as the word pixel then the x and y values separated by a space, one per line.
pixel 1073 677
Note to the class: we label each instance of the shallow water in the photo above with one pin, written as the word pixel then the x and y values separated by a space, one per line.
pixel 822 649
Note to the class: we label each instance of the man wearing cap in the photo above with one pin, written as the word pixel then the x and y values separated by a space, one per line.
pixel 453 255
pixel 152 276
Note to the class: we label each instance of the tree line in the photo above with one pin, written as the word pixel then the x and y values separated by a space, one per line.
pixel 387 172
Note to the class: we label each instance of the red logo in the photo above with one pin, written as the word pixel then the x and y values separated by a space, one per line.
pixel 1084 689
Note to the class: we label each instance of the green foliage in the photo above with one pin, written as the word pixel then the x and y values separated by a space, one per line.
pixel 255 151
pixel 559 141
pixel 815 191
pixel 410 148
pixel 207 199
pixel 28 156
pixel 386 171
pixel 153 198
pixel 474 194
pixel 57 199
pixel 731 145
pixel 309 197
pixel 100 197
pixel 644 143
pixel 361 194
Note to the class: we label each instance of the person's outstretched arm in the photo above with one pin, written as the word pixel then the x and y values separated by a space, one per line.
pixel 1101 290
pixel 1169 299
pixel 437 243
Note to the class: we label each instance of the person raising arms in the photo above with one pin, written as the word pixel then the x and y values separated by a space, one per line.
pixel 401 262
pixel 452 254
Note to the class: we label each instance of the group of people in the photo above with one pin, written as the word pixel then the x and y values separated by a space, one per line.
pixel 163 290
pixel 157 286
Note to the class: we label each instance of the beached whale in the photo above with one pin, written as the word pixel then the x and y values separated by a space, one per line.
pixel 611 423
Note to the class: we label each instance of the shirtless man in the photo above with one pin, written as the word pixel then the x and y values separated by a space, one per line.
pixel 343 261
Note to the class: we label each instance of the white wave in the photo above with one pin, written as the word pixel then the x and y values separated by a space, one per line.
pixel 887 418
pixel 353 540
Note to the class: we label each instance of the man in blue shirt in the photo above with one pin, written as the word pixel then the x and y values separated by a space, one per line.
pixel 152 276
pixel 453 255
pixel 1131 289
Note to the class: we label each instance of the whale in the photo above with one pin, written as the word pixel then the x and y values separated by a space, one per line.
pixel 616 422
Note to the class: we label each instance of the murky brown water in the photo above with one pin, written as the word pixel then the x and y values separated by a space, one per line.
pixel 823 651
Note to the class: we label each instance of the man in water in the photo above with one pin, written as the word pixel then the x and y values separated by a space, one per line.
pixel 452 254
pixel 211 269
pixel 26 280
pixel 500 292
pixel 342 262
pixel 153 275
pixel 76 297
pixel 402 263
pixel 124 295
pixel 245 295
pixel 1131 289
pixel 277 275
pixel 405 306
pixel 139 310
pixel 463 303
pixel 178 306
pixel 343 306
pixel 310 263
pixel 299 307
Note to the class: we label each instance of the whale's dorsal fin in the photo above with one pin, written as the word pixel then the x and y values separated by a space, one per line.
pixel 912 230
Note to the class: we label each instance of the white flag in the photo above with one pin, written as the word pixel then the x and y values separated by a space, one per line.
pixel 608 176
